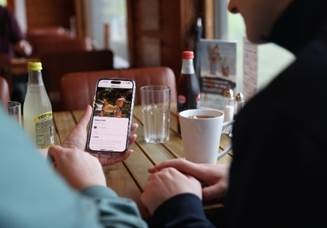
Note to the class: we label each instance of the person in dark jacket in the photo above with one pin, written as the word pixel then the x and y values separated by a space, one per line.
pixel 11 37
pixel 13 44
pixel 278 171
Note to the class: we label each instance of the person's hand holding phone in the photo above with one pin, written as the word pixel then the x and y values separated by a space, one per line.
pixel 78 137
pixel 79 169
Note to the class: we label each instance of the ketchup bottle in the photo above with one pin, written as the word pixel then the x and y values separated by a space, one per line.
pixel 188 85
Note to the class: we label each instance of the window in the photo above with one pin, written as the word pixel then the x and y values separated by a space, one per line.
pixel 3 2
pixel 114 13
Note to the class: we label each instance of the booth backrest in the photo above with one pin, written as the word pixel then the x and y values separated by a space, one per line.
pixel 78 89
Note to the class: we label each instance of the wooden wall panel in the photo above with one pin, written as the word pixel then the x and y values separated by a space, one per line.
pixel 148 16
pixel 146 35
pixel 189 14
pixel 151 51
pixel 49 13
pixel 209 19
pixel 171 32
pixel 168 24
pixel 80 17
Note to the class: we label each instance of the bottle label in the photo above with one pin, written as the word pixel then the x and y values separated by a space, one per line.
pixel 44 132
pixel 187 67
pixel 181 99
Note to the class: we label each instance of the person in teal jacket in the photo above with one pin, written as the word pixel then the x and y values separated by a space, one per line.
pixel 32 194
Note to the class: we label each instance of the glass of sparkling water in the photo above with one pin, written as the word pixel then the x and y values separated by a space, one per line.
pixel 156 113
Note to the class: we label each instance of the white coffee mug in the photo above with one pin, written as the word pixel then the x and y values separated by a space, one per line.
pixel 201 131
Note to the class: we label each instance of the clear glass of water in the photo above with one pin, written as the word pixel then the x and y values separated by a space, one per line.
pixel 14 110
pixel 156 113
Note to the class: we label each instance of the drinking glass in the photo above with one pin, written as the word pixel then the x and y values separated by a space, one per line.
pixel 156 113
pixel 14 110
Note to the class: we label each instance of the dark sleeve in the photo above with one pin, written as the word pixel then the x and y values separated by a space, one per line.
pixel 15 33
pixel 184 210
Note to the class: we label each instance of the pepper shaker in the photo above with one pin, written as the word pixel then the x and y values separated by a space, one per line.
pixel 240 102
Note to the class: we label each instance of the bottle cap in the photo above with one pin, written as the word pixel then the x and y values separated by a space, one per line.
pixel 188 54
pixel 34 66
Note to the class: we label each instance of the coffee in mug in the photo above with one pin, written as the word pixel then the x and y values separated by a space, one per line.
pixel 202 117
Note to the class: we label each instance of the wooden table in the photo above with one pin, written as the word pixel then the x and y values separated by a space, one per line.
pixel 129 177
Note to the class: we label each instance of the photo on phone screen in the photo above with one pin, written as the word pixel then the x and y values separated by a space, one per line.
pixel 112 115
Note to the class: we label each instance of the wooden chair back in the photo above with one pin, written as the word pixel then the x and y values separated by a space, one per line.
pixel 46 31
pixel 52 45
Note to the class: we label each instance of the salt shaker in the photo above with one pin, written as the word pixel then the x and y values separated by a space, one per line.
pixel 229 106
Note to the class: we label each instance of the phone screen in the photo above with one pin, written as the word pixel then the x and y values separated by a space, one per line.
pixel 112 115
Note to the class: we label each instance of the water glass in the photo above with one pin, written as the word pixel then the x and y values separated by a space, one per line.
pixel 156 113
pixel 14 110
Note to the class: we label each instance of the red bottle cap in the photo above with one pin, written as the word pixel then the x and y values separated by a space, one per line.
pixel 188 54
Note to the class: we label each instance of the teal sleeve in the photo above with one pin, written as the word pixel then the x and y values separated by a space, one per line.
pixel 114 211
pixel 33 195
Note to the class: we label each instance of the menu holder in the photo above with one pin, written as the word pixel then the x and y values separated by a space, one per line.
pixel 217 65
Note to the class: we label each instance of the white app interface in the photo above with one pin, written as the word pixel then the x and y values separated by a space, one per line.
pixel 111 116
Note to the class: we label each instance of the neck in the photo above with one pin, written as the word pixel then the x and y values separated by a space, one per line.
pixel 300 22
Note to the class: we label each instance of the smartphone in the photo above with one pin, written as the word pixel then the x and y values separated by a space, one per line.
pixel 112 115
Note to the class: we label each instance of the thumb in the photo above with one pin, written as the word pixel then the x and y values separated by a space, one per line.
pixel 83 122
pixel 55 151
